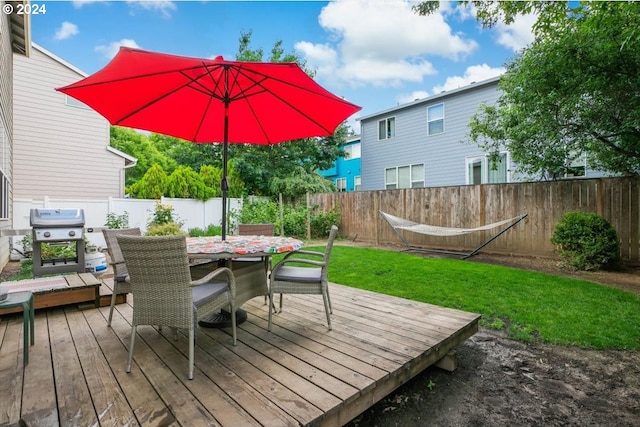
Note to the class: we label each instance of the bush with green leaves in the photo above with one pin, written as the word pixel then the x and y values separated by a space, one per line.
pixel 294 218
pixel 115 221
pixel 211 230
pixel 587 241
pixel 166 229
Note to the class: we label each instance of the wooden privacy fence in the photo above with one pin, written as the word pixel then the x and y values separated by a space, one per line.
pixel 471 206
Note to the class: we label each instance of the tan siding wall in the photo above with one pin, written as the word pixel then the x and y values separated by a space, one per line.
pixel 6 115
pixel 60 150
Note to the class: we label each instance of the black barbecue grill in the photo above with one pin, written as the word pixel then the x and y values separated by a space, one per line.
pixel 57 226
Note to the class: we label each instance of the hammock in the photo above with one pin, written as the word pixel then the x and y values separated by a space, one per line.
pixel 398 223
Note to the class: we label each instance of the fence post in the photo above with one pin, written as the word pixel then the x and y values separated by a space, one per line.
pixel 281 214
pixel 308 217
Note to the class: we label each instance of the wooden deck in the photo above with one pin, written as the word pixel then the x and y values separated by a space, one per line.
pixel 299 374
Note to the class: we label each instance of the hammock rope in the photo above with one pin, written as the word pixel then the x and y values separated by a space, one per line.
pixel 434 230
pixel 396 223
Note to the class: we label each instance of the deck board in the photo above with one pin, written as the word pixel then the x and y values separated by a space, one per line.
pixel 298 374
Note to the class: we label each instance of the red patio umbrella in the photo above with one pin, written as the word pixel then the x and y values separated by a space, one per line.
pixel 211 100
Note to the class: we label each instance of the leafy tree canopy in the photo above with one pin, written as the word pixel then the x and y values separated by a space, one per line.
pixel 574 91
pixel 139 146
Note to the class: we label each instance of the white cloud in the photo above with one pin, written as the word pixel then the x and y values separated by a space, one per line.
pixel 79 3
pixel 517 35
pixel 474 73
pixel 382 43
pixel 413 96
pixel 66 30
pixel 165 7
pixel 112 48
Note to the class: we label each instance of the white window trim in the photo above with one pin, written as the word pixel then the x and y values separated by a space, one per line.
pixel 356 186
pixel 386 120
pixel 484 158
pixel 411 181
pixel 430 121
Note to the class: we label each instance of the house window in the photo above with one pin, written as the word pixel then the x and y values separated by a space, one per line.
pixel 72 102
pixel 411 176
pixel 387 128
pixel 435 119
pixel 482 170
pixel 352 151
pixel 356 183
pixel 341 184
pixel 577 167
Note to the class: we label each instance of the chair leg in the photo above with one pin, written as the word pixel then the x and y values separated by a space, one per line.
pixel 329 299
pixel 271 308
pixel 325 297
pixel 131 343
pixel 113 304
pixel 234 331
pixel 191 351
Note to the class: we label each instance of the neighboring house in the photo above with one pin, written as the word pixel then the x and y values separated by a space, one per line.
pixel 426 143
pixel 61 146
pixel 15 40
pixel 345 172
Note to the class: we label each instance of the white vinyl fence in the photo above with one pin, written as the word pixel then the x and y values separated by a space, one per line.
pixel 190 212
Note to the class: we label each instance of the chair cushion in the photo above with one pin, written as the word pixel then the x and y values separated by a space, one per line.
pixel 298 274
pixel 248 259
pixel 207 292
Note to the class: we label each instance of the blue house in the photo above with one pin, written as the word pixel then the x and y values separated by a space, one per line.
pixel 425 143
pixel 345 172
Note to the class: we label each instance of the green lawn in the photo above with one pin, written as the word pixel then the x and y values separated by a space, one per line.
pixel 528 305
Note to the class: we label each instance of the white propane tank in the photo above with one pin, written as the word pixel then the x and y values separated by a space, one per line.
pixel 95 262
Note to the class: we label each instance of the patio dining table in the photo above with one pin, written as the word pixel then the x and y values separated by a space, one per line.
pixel 251 276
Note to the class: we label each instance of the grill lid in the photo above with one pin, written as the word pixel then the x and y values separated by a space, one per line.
pixel 56 218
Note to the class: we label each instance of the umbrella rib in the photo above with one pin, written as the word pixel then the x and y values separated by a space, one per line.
pixel 188 83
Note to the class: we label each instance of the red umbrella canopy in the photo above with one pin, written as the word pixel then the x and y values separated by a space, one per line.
pixel 211 100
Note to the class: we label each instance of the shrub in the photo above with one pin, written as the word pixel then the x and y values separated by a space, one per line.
pixel 166 229
pixel 163 214
pixel 115 221
pixel 294 218
pixel 211 230
pixel 587 241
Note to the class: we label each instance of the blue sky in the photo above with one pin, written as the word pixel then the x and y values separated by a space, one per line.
pixel 375 53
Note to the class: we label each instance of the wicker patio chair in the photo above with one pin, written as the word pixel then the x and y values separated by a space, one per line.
pixel 164 293
pixel 261 230
pixel 121 283
pixel 291 279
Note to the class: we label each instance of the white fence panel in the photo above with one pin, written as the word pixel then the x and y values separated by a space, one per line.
pixel 190 212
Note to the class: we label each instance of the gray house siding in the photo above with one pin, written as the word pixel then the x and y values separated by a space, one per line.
pixel 443 154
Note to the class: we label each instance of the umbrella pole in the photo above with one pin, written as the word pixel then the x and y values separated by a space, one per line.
pixel 224 184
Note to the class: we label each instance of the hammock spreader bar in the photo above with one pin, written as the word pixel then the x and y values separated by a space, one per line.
pixel 403 224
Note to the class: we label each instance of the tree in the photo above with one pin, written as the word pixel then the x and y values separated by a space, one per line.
pixel 137 144
pixel 575 91
pixel 299 183
pixel 184 182
pixel 152 185
pixel 260 165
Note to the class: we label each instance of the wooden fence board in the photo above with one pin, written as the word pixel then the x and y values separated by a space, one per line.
pixel 468 206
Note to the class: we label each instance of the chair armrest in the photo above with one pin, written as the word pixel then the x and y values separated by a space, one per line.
pixel 300 261
pixel 306 252
pixel 215 273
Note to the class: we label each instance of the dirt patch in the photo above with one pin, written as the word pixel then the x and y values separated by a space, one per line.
pixel 501 382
